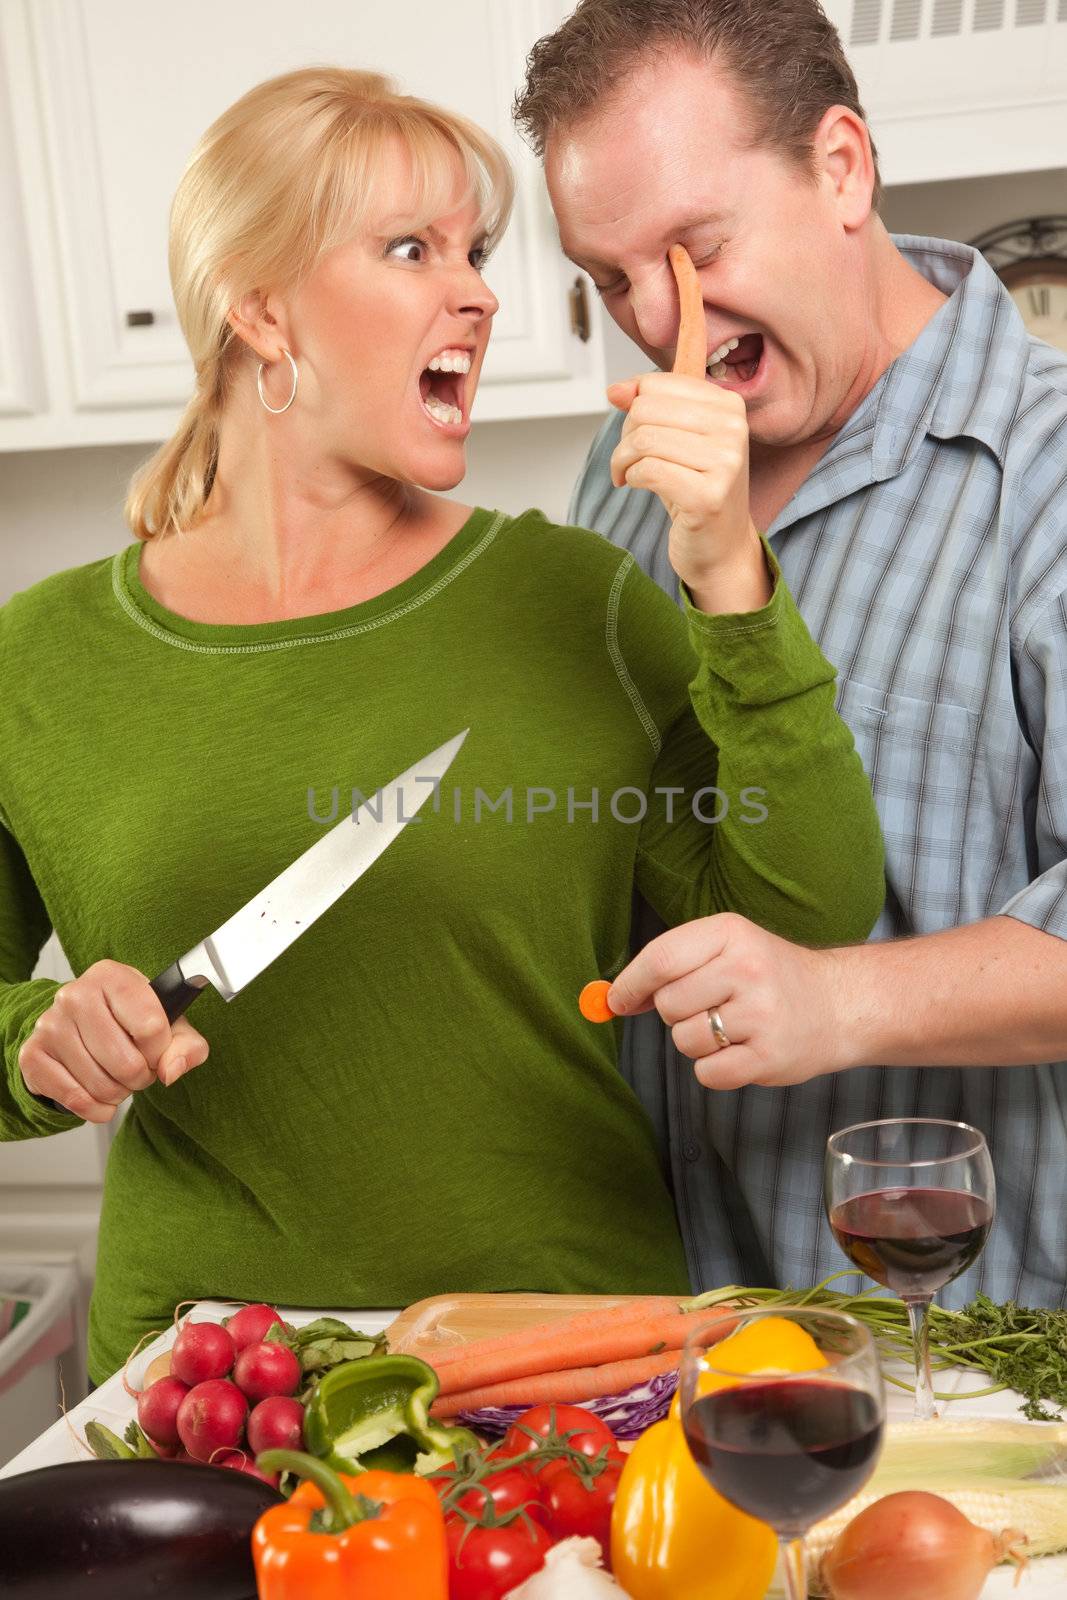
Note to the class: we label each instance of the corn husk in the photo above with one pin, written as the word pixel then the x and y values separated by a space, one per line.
pixel 1000 1474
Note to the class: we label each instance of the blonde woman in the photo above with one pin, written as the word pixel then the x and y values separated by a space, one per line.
pixel 408 1101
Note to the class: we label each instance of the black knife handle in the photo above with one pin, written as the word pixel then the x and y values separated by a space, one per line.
pixel 174 992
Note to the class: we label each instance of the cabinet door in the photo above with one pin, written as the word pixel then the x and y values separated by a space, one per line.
pixel 125 90
pixel 21 381
pixel 959 88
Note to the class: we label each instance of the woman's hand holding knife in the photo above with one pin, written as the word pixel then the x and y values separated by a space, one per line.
pixel 105 1036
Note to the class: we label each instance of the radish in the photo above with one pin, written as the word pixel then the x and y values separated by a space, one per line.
pixel 159 1368
pixel 262 1370
pixel 157 1409
pixel 277 1423
pixel 166 1452
pixel 201 1351
pixel 250 1324
pixel 212 1417
pixel 238 1461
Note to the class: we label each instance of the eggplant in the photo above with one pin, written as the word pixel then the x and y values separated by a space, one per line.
pixel 130 1530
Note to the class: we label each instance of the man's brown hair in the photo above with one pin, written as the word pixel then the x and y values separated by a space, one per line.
pixel 785 55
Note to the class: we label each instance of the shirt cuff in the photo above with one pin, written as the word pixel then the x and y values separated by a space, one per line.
pixel 38 1115
pixel 758 657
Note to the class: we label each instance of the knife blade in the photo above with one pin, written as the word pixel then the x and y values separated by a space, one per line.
pixel 246 943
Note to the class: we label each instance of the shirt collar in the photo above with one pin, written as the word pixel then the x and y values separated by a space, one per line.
pixel 961 377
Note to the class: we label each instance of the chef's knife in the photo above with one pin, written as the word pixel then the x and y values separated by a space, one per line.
pixel 253 937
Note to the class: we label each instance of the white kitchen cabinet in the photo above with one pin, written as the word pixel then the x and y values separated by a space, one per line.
pixel 22 389
pixel 109 97
pixel 959 88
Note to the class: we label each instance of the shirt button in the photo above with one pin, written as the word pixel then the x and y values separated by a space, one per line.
pixel 692 1152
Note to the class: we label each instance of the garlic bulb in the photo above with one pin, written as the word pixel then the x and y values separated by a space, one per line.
pixel 572 1571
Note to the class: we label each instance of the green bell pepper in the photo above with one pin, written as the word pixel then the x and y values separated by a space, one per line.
pixel 375 1413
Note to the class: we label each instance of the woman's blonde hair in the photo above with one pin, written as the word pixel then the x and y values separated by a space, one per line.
pixel 289 172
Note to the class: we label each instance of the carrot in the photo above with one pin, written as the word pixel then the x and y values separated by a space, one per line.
pixel 593 1001
pixel 577 1325
pixel 561 1388
pixel 691 350
pixel 588 1340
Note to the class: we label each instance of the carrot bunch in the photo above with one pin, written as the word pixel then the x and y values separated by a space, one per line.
pixel 583 1357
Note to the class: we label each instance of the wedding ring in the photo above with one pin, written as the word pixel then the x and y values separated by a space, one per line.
pixel 722 1038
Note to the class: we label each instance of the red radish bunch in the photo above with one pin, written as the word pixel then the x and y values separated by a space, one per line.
pixel 201 1351
pixel 157 1409
pixel 263 1370
pixel 212 1417
pixel 216 1373
pixel 277 1423
pixel 238 1461
pixel 250 1324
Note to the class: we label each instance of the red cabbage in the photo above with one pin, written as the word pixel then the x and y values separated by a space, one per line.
pixel 627 1414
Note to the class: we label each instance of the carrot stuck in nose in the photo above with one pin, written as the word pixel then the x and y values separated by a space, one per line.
pixel 691 351
pixel 593 1001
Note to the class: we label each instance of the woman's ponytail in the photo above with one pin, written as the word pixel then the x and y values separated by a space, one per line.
pixel 170 491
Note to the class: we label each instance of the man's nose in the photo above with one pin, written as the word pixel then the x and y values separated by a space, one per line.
pixel 655 311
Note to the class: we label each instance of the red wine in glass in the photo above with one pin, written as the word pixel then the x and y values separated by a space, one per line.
pixel 910 1201
pixel 912 1240
pixel 788 1447
pixel 788 1451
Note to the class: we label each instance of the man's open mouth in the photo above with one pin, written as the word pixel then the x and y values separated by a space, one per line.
pixel 442 387
pixel 737 360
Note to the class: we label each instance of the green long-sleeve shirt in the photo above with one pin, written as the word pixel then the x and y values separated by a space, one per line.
pixel 407 1101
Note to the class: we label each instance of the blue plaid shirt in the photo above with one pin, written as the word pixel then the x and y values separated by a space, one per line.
pixel 927 551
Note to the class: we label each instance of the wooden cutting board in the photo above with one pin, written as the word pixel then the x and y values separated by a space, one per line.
pixel 446 1320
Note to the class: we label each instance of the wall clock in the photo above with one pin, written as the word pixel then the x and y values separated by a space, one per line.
pixel 1030 257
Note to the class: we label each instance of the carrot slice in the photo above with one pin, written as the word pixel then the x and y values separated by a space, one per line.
pixel 593 1001
pixel 560 1349
pixel 691 351
pixel 566 1387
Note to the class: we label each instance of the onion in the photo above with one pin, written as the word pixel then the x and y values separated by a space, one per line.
pixel 913 1546
pixel 572 1571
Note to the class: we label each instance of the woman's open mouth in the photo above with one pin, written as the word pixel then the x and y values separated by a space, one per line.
pixel 442 385
pixel 738 361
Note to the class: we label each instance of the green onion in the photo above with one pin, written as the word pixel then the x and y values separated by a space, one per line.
pixel 1017 1347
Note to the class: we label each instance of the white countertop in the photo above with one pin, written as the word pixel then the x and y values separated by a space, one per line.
pixel 1045 1579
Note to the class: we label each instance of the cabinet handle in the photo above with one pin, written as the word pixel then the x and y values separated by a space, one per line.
pixel 578 300
pixel 140 319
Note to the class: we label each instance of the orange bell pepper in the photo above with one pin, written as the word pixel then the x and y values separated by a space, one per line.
pixel 376 1536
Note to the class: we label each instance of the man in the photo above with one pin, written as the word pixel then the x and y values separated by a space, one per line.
pixel 908 464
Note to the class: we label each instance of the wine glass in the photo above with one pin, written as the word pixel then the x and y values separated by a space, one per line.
pixel 911 1201
pixel 787 1447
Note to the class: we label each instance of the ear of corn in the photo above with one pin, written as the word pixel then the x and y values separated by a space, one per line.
pixel 999 1474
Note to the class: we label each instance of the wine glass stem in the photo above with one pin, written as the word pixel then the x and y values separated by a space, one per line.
pixel 919 1320
pixel 794 1566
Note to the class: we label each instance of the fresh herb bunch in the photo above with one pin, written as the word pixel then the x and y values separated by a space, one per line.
pixel 1018 1347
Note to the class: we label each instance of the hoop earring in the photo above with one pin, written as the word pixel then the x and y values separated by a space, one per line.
pixel 276 411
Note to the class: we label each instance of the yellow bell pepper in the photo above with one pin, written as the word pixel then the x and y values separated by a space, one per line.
pixel 673 1537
